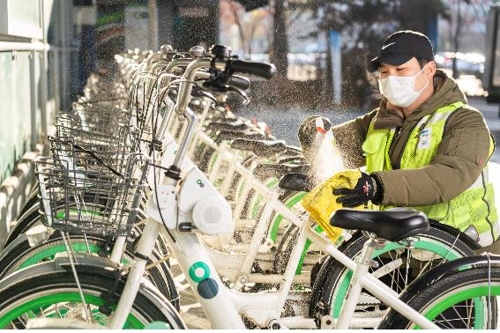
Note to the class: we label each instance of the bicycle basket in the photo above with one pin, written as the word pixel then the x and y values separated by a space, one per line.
pixel 117 137
pixel 109 159
pixel 87 201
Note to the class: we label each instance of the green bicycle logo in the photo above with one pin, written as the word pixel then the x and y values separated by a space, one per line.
pixel 207 288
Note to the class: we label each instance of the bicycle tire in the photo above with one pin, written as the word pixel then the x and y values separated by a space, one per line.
pixel 470 292
pixel 239 181
pixel 32 218
pixel 23 255
pixel 285 249
pixel 29 219
pixel 54 294
pixel 31 200
pixel 330 288
pixel 26 221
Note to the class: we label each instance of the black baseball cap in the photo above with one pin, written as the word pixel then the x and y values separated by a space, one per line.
pixel 400 47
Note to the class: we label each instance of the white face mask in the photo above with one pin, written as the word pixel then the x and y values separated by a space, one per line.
pixel 400 90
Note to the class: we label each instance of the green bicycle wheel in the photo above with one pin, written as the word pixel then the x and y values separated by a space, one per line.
pixel 398 265
pixel 20 255
pixel 55 294
pixel 466 299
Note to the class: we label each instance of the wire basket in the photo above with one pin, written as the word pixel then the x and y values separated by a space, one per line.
pixel 95 154
pixel 89 201
pixel 95 136
pixel 97 116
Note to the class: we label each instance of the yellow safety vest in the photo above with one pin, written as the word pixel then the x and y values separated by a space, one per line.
pixel 475 206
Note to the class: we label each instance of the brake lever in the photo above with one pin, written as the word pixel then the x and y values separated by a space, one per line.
pixel 203 93
pixel 241 93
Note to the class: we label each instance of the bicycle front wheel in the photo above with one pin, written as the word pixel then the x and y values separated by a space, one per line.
pixel 23 255
pixel 463 300
pixel 55 294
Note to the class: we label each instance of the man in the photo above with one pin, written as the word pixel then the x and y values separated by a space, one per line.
pixel 423 147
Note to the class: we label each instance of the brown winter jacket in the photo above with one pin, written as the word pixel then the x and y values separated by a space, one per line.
pixel 461 156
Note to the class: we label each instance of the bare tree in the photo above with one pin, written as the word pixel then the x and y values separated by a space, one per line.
pixel 278 53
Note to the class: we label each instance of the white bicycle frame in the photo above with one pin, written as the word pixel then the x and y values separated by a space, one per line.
pixel 222 306
pixel 225 255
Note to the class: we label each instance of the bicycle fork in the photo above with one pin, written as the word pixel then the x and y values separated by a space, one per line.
pixel 144 250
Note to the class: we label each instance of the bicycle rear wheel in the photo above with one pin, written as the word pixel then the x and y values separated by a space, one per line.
pixel 463 300
pixel 30 218
pixel 398 265
pixel 31 200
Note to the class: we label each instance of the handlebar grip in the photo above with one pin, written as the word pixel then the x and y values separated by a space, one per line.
pixel 239 82
pixel 263 70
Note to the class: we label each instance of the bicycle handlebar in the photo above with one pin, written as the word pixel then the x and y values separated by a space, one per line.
pixel 260 69
pixel 229 66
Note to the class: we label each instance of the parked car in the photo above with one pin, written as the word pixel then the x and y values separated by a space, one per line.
pixel 471 85
pixel 470 69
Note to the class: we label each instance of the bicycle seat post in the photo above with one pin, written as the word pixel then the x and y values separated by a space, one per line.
pixel 363 263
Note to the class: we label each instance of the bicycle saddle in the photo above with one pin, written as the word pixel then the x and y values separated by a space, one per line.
pixel 237 125
pixel 293 159
pixel 223 135
pixel 268 170
pixel 262 148
pixel 296 181
pixel 393 224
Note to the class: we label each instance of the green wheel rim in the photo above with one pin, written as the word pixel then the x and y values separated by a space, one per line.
pixel 30 308
pixel 292 201
pixel 289 204
pixel 50 252
pixel 476 293
pixel 272 183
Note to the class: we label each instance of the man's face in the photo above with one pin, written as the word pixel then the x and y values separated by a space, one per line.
pixel 409 68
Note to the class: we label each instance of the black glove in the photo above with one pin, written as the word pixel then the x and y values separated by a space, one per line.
pixel 367 188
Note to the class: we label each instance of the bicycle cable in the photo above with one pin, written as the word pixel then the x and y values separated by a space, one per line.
pixel 94 155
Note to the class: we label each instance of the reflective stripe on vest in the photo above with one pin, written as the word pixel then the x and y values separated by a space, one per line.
pixel 475 206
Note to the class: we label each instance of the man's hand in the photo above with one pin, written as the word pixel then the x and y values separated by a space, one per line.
pixel 366 189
